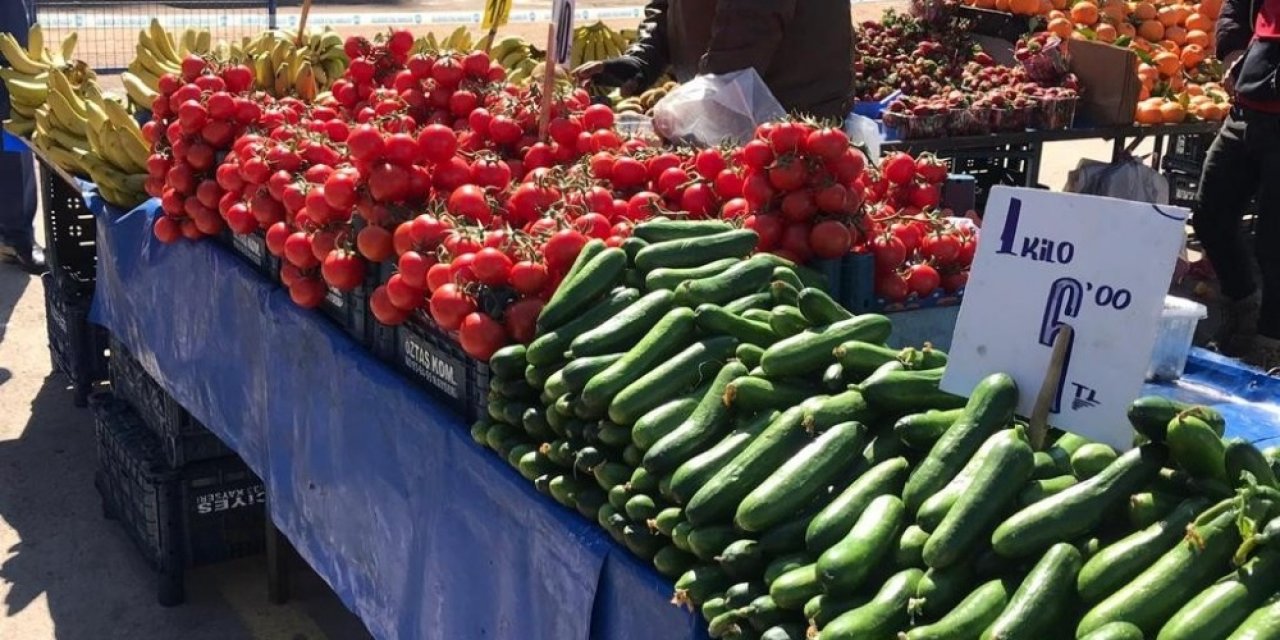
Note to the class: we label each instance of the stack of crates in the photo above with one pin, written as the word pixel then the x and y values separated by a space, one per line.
pixel 1182 161
pixel 182 496
pixel 76 347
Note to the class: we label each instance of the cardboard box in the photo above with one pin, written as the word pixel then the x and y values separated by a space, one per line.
pixel 1108 80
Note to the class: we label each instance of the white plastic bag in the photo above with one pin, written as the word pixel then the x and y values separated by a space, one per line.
pixel 716 108
pixel 865 133
pixel 1128 179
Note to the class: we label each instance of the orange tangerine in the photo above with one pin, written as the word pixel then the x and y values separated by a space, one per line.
pixel 1002 5
pixel 1197 91
pixel 1114 10
pixel 1167 63
pixel 1061 27
pixel 1149 111
pixel 1106 33
pixel 1198 22
pixel 1198 37
pixel 1085 13
pixel 1056 14
pixel 1024 7
pixel 1127 30
pixel 1210 8
pixel 1170 16
pixel 1177 35
pixel 1192 56
pixel 1144 11
pixel 1151 30
pixel 1172 112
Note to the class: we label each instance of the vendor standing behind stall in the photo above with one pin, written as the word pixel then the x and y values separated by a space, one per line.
pixel 1243 164
pixel 802 49
pixel 17 170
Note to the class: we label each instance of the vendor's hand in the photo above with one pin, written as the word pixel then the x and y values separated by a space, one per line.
pixel 624 72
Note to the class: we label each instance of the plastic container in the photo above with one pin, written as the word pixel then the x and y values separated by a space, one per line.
pixel 1056 113
pixel 1173 341
pixel 77 347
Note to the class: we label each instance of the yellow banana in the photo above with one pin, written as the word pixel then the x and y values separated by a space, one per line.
pixel 149 62
pixel 68 160
pixel 17 57
pixel 282 84
pixel 204 41
pixel 263 73
pixel 27 92
pixel 69 45
pixel 21 127
pixel 60 115
pixel 59 84
pixel 96 116
pixel 305 83
pixel 138 91
pixel 35 42
pixel 280 53
pixel 150 80
pixel 514 57
pixel 321 77
pixel 485 42
pixel 293 65
pixel 163 47
pixel 23 110
pixel 432 43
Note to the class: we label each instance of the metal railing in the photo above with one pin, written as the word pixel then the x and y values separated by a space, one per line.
pixel 108 29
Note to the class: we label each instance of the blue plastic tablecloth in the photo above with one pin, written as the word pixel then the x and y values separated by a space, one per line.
pixel 421 532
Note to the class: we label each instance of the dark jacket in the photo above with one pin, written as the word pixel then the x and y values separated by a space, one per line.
pixel 802 48
pixel 1256 73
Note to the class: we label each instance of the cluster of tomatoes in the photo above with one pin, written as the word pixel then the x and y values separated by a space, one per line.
pixel 917 251
pixel 432 164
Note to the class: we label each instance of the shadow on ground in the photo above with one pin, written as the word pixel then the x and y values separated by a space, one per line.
pixel 90 577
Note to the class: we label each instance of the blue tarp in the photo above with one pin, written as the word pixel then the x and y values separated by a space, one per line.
pixel 421 532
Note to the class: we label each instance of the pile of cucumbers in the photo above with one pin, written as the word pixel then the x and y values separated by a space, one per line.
pixel 722 417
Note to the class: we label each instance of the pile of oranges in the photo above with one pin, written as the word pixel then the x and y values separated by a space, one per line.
pixel 1172 38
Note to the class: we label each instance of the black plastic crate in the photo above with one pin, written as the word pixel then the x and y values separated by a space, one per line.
pixel 140 491
pixel 1184 189
pixel 77 347
pixel 182 438
pixel 436 362
pixel 204 513
pixel 70 231
pixel 1013 165
pixel 252 249
pixel 350 310
pixel 223 511
pixel 996 24
pixel 1186 153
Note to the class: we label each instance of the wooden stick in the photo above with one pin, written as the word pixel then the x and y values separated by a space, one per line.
pixel 488 43
pixel 1049 388
pixel 548 83
pixel 302 21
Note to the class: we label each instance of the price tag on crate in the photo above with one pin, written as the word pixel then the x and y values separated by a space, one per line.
pixel 1050 259
pixel 562 19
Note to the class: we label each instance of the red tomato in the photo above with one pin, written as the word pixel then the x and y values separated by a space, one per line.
pixel 529 278
pixel 830 239
pixel 757 155
pixel 167 230
pixel 439 275
pixel 735 209
pixel 943 248
pixel 798 206
pixel 522 318
pixel 795 240
pixel 728 184
pixel 826 143
pixel 898 168
pixel 891 286
pixel 955 281
pixel 923 279
pixel 908 234
pixel 343 270
pixel 594 225
pixel 788 175
pixel 596 117
pixel 469 202
pixel 307 293
pixel 481 335
pixel 437 143
pixel 889 252
pixel 698 200
pixel 768 227
pixel 449 305
pixel 709 163
pixel 375 244
pixel 562 249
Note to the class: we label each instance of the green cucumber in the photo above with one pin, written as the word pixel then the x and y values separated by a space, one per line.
pixel 1216 611
pixel 1005 466
pixel 613 435
pixel 696 471
pixel 941 589
pixel 821 413
pixel 701 583
pixel 563 489
pixel 1115 631
pixel 1077 510
pixel 1090 459
pixel 641 508
pixel 714 608
pixel 692 252
pixel 756 301
pixel 788 536
pixel 764 612
pixel 801 478
pixel 969 618
pixel 846 565
pixel 861 359
pixel 1196 447
pixel 718 499
pixel 819 308
pixel 578 292
pixel 921 431
pixel 785 321
pixel 833 378
pixel 725 625
pixel 1038 490
pixel 1148 507
pixel 739 280
pixel 657 423
pixel 786 275
pixel 795 587
pixel 669 279
pixel 792 631
pixel 671 562
pixel 902 391
pixel 479 430
pixel 668 337
pixel 714 320
pixel 787 294
pixel 1048 467
pixel 1241 457
pixel 708 542
pixel 882 617
pixel 990 407
pixel 696 364
pixel 749 354
pixel 667 519
pixel 641 541
pixel 1150 416
pixel 680 535
pixel 833 522
pixel 785 563
pixel 549 347
pixel 663 230
pixel 822 609
pixel 742 560
pixel 622 331
pixel 508 363
pixel 1162 588
pixel 1262 624
pixel 533 464
pixel 1043 600
pixel 611 474
pixel 910 550
pixel 708 420
pixel 810 351
pixel 744 593
pixel 764 316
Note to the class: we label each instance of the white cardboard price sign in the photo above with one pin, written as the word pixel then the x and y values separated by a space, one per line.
pixel 1047 259
pixel 562 18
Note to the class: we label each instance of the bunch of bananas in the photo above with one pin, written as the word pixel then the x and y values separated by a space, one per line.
pixel 598 42
pixel 459 40
pixel 117 161
pixel 27 76
pixel 643 103
pixel 280 64
pixel 518 57
pixel 282 67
